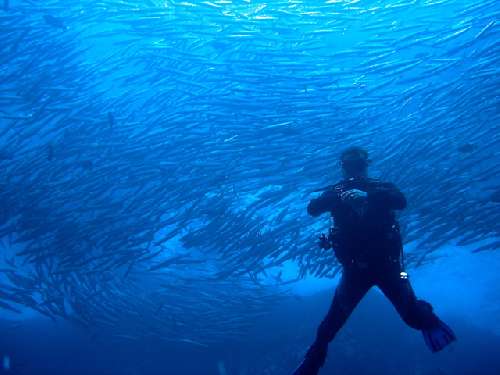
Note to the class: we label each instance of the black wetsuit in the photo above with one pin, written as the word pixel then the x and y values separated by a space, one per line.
pixel 368 244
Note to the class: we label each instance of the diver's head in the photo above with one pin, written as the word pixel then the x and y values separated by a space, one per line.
pixel 354 162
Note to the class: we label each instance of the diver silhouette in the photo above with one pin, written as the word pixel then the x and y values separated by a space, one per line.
pixel 367 242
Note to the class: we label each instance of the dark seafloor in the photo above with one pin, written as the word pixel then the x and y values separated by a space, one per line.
pixel 156 159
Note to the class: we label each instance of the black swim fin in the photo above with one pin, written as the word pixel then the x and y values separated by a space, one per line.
pixel 439 337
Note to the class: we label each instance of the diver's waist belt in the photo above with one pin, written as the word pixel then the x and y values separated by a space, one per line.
pixel 367 262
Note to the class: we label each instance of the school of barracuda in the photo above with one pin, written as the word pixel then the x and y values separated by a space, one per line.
pixel 157 157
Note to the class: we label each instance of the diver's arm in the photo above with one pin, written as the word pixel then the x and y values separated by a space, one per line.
pixel 387 194
pixel 326 202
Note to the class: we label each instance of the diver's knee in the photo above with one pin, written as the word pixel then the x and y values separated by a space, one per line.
pixel 332 324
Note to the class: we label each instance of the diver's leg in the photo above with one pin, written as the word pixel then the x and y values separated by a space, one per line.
pixel 416 313
pixel 352 287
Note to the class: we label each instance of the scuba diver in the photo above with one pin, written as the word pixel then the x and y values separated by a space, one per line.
pixel 366 241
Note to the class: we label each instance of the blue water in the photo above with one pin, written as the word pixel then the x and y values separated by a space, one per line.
pixel 157 158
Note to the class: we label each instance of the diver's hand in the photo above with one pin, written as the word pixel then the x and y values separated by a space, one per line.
pixel 324 242
pixel 353 196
